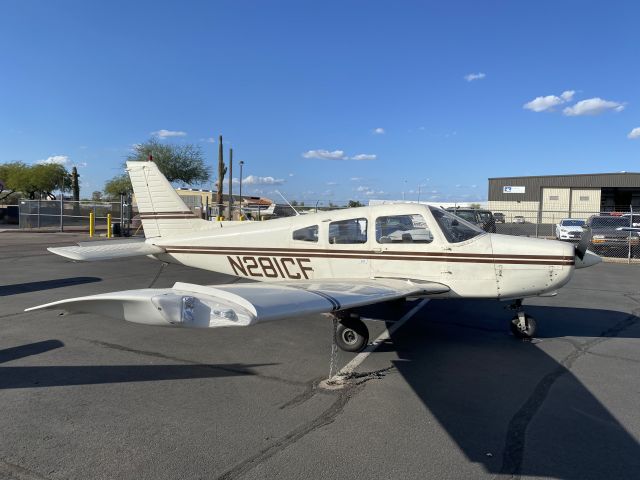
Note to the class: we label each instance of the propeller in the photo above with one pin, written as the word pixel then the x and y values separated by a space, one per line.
pixel 584 256
pixel 583 245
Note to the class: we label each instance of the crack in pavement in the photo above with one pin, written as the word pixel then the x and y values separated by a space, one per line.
pixel 614 357
pixel 515 440
pixel 325 418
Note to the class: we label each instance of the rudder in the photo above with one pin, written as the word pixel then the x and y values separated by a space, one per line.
pixel 162 211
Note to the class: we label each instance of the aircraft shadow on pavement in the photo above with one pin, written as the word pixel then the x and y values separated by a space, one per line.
pixel 14 353
pixel 56 376
pixel 490 392
pixel 29 287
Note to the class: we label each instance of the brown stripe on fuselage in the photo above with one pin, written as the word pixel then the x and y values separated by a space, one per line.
pixel 306 251
pixel 454 258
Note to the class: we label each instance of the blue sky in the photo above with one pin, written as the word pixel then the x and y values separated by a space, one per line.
pixel 331 100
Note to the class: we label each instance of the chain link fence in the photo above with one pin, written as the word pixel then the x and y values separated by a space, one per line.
pixel 70 215
pixel 611 232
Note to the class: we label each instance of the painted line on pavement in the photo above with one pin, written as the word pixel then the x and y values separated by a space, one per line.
pixel 383 337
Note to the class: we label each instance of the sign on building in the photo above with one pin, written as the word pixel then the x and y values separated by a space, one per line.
pixel 511 189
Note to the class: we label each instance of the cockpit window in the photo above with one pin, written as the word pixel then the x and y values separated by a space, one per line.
pixel 402 229
pixel 454 228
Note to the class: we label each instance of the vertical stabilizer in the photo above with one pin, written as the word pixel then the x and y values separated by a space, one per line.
pixel 162 211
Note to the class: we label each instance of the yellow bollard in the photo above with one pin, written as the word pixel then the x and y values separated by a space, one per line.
pixel 108 225
pixel 92 223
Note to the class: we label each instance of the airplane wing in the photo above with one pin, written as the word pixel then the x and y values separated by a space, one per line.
pixel 244 304
pixel 93 251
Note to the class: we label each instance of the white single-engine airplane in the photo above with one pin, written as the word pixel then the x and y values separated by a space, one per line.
pixel 327 262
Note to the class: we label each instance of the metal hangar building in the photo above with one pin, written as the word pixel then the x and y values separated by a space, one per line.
pixel 552 197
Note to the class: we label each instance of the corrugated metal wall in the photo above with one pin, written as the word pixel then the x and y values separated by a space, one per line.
pixel 533 185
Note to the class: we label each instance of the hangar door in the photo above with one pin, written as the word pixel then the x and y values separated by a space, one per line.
pixel 555 204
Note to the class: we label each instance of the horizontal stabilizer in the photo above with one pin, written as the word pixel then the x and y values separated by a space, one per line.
pixel 106 250
pixel 244 304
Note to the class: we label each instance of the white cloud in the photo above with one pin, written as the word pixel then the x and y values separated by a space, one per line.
pixel 474 76
pixel 355 179
pixel 336 155
pixel 362 188
pixel 363 156
pixel 325 154
pixel 57 159
pixel 567 95
pixel 592 106
pixel 255 180
pixel 331 184
pixel 168 133
pixel 635 133
pixel 379 131
pixel 207 140
pixel 292 174
pixel 542 104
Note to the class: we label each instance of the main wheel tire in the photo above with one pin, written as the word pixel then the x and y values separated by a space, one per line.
pixel 528 330
pixel 352 335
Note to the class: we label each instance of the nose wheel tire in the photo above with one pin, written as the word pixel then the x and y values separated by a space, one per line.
pixel 352 335
pixel 523 326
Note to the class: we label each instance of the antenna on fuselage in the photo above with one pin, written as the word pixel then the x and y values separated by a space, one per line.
pixel 297 213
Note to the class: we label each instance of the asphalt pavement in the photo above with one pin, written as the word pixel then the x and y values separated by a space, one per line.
pixel 451 395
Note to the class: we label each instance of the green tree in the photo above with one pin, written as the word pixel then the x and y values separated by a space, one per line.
pixel 34 180
pixel 354 203
pixel 475 206
pixel 119 185
pixel 179 163
pixel 96 196
pixel 10 178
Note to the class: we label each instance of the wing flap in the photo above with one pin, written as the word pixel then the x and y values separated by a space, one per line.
pixel 106 251
pixel 191 305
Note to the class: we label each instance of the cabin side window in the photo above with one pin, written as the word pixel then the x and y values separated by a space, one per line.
pixel 306 234
pixel 402 229
pixel 350 231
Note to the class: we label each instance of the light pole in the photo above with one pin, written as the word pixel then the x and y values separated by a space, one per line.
pixel 241 165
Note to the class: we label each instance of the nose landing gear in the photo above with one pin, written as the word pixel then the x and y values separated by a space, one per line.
pixel 351 334
pixel 522 325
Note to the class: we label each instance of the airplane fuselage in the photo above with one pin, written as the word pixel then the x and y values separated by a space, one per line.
pixel 311 247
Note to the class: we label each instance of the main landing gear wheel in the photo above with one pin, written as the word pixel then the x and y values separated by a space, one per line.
pixel 523 326
pixel 351 335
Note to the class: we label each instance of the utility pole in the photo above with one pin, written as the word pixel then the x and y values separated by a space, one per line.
pixel 241 165
pixel 220 179
pixel 230 183
pixel 74 184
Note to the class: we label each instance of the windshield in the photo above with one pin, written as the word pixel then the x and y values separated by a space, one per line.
pixel 572 223
pixel 468 216
pixel 484 216
pixel 609 222
pixel 454 228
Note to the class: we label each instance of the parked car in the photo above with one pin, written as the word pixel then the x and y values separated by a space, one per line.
pixel 482 218
pixel 499 217
pixel 635 221
pixel 569 229
pixel 518 219
pixel 608 238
